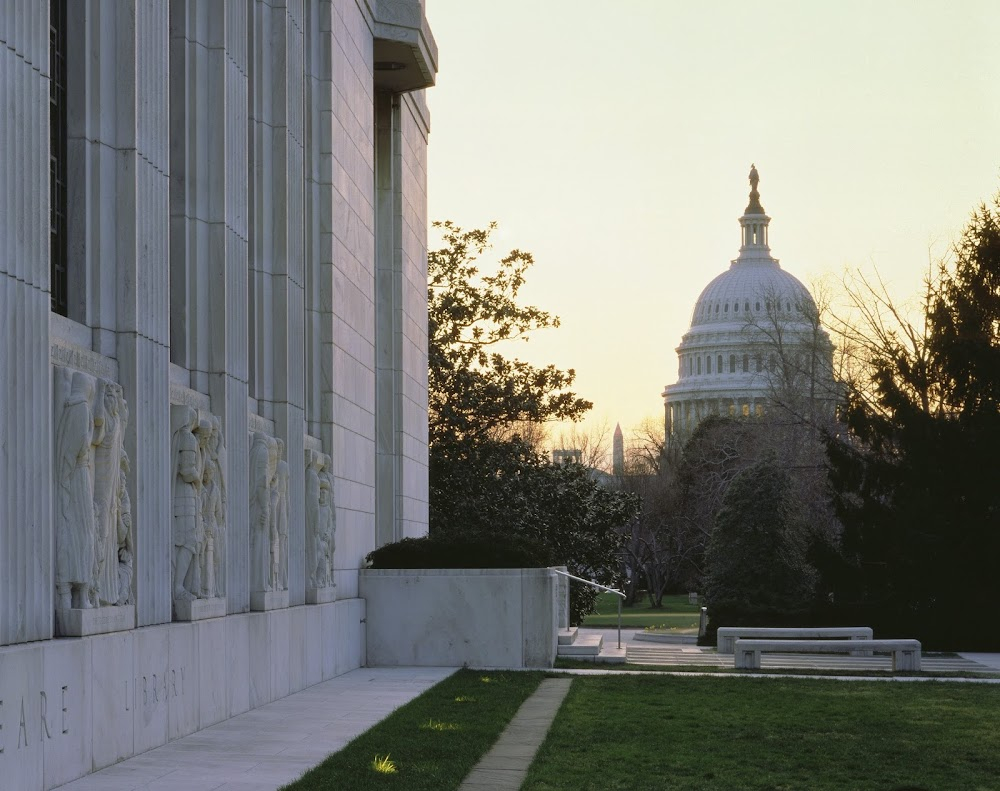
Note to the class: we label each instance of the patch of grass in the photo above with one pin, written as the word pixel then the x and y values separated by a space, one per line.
pixel 676 615
pixel 434 740
pixel 644 733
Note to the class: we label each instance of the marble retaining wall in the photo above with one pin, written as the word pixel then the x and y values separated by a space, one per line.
pixel 72 706
pixel 451 617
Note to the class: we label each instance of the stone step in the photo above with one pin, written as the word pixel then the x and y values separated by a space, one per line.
pixel 586 645
pixel 568 636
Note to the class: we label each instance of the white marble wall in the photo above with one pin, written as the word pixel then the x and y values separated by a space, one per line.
pixel 70 707
pixel 222 234
pixel 26 606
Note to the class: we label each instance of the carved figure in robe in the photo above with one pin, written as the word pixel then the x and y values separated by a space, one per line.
pixel 328 512
pixel 314 462
pixel 110 420
pixel 76 531
pixel 260 512
pixel 187 528
pixel 213 517
pixel 281 520
pixel 217 452
pixel 126 552
pixel 272 493
pixel 325 537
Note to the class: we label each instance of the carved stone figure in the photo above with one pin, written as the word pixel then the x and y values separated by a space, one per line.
pixel 325 539
pixel 76 530
pixel 260 512
pixel 280 569
pixel 110 421
pixel 328 517
pixel 188 531
pixel 213 510
pixel 126 553
pixel 314 462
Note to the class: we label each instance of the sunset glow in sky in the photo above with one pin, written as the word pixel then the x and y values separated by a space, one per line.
pixel 613 141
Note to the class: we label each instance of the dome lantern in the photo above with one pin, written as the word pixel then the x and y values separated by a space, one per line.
pixel 754 223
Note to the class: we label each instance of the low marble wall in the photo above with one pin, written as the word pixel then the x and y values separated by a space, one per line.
pixel 72 706
pixel 451 617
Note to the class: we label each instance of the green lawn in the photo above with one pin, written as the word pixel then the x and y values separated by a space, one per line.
pixel 675 616
pixel 693 734
pixel 433 741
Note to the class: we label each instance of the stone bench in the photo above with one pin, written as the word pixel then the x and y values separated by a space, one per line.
pixel 727 634
pixel 905 653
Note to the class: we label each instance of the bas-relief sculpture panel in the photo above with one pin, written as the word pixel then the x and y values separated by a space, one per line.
pixel 320 528
pixel 93 519
pixel 198 519
pixel 268 472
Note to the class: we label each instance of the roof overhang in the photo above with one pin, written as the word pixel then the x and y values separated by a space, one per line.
pixel 405 54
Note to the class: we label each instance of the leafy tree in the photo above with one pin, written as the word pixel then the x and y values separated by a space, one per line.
pixel 757 554
pixel 916 474
pixel 474 390
pixel 485 478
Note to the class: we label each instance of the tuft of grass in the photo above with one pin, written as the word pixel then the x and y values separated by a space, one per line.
pixel 384 765
pixel 439 726
pixel 434 740
pixel 645 733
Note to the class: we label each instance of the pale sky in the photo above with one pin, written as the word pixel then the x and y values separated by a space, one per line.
pixel 613 141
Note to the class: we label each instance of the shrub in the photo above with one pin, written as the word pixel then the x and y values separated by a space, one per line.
pixel 454 552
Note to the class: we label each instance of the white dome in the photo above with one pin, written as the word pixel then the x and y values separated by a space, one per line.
pixel 728 357
pixel 745 288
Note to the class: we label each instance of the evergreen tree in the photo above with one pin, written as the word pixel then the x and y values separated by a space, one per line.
pixel 917 475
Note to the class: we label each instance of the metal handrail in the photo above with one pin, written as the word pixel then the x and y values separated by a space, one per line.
pixel 617 593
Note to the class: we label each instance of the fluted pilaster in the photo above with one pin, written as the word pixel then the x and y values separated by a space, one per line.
pixel 25 394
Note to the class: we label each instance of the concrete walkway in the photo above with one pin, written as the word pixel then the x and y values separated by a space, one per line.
pixel 270 746
pixel 505 766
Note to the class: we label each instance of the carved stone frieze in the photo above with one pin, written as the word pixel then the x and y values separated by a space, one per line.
pixel 268 471
pixel 320 528
pixel 93 516
pixel 198 454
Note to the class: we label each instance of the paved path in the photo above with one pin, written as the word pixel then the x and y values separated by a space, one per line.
pixel 270 746
pixel 505 766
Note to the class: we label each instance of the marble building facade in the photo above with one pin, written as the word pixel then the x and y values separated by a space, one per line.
pixel 214 377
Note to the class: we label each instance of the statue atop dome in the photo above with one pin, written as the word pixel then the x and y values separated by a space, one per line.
pixel 754 206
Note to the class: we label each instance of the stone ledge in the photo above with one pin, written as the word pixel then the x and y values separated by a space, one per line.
pixel 96 620
pixel 199 609
pixel 321 595
pixel 262 601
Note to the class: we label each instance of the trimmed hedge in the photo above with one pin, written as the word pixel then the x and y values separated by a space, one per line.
pixel 469 552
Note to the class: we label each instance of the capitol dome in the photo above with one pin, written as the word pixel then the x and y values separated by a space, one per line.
pixel 755 340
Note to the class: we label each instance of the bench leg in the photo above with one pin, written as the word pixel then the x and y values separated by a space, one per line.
pixel 906 660
pixel 747 660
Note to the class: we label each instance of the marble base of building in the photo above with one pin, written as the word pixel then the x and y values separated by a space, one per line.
pixel 97 620
pixel 72 706
pixel 321 595
pixel 262 601
pixel 199 609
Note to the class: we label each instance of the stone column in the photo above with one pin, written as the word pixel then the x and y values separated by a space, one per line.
pixel 277 189
pixel 143 320
pixel 209 230
pixel 387 330
pixel 26 583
